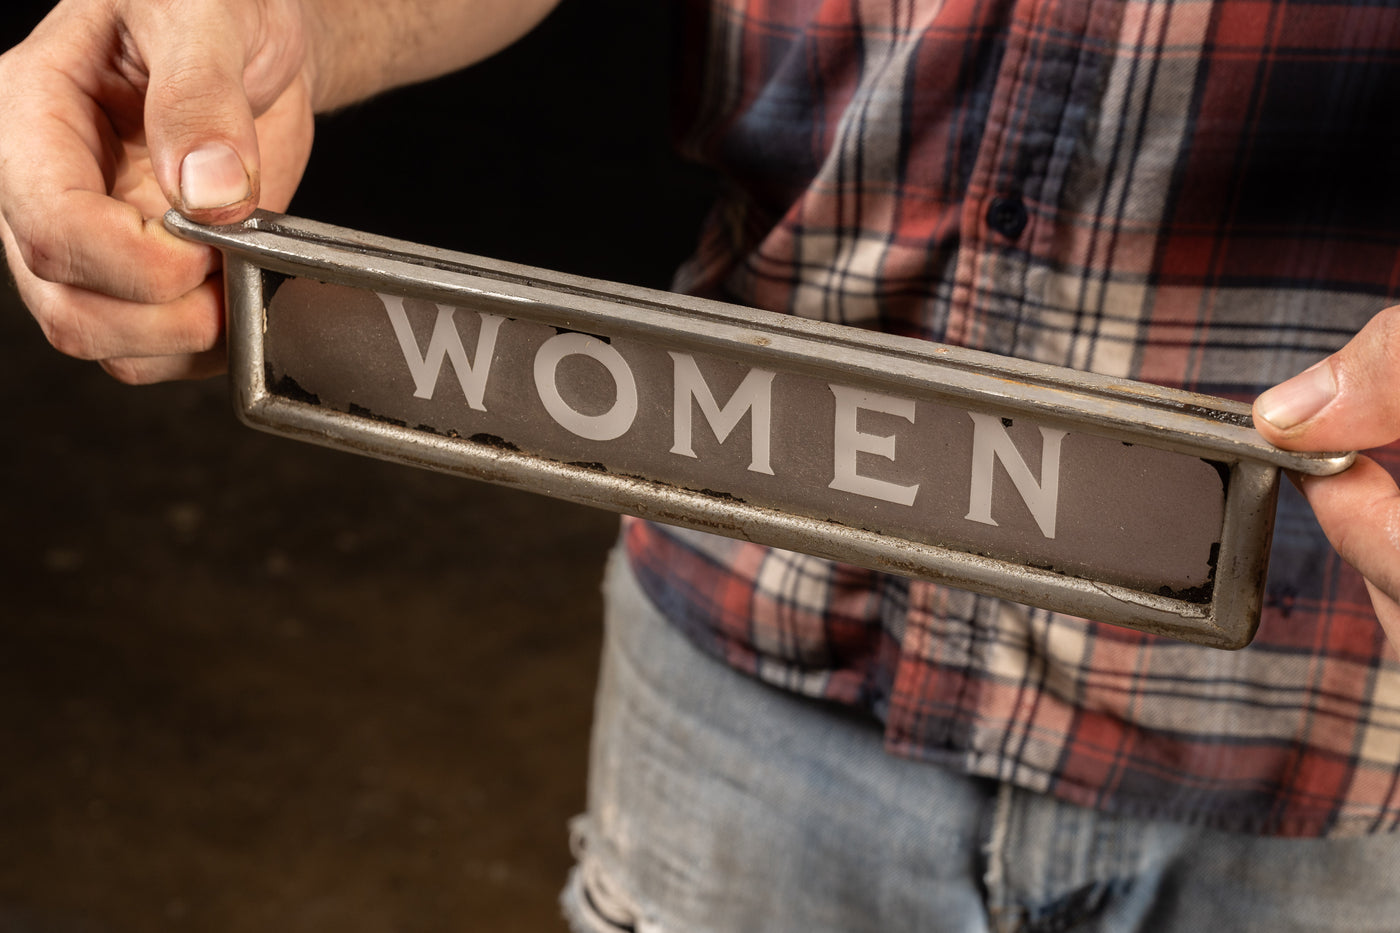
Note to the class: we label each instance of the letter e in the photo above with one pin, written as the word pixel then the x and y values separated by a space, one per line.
pixel 850 442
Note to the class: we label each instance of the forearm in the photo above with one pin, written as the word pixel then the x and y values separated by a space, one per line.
pixel 357 48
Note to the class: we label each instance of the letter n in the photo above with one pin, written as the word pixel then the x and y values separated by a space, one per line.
pixel 991 443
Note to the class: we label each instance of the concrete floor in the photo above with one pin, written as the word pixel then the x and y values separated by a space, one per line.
pixel 247 684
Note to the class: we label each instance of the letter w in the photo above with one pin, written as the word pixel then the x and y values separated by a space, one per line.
pixel 445 342
pixel 990 443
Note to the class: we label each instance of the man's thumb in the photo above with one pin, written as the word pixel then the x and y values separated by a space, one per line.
pixel 215 180
pixel 199 126
pixel 1348 401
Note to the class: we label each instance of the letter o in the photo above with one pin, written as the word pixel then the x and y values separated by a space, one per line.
pixel 605 427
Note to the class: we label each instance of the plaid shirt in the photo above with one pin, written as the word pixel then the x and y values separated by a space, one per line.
pixel 1197 193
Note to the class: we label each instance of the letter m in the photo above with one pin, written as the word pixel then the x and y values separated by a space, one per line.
pixel 445 342
pixel 754 395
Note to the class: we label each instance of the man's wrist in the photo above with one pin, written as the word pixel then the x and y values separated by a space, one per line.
pixel 359 48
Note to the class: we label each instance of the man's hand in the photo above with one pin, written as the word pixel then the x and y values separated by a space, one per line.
pixel 113 111
pixel 1350 401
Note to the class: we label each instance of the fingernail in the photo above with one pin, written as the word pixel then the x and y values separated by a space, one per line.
pixel 213 176
pixel 1290 403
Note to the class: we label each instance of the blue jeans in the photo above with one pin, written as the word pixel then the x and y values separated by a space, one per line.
pixel 717 803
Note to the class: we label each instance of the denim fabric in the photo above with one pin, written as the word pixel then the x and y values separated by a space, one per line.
pixel 717 803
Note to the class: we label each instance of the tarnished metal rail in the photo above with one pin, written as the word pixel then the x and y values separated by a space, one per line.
pixel 1119 501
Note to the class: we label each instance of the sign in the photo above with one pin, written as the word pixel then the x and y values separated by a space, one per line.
pixel 1123 502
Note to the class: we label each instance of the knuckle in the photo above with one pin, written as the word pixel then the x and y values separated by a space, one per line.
pixel 45 252
pixel 195 95
pixel 156 286
pixel 66 330
pixel 193 335
pixel 1390 342
pixel 1379 361
pixel 205 335
pixel 1387 325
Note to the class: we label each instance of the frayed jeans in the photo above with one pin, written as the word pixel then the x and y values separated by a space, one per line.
pixel 719 804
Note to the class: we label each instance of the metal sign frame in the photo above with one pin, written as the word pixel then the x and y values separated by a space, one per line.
pixel 1216 430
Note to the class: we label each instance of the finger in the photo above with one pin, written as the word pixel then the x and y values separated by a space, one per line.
pixel 63 227
pixel 96 244
pixel 198 119
pixel 88 326
pixel 153 369
pixel 1349 401
pixel 93 326
pixel 1359 511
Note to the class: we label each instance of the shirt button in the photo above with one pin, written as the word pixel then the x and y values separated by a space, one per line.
pixel 1007 216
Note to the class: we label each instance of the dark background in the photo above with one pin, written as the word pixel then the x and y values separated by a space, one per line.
pixel 247 684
